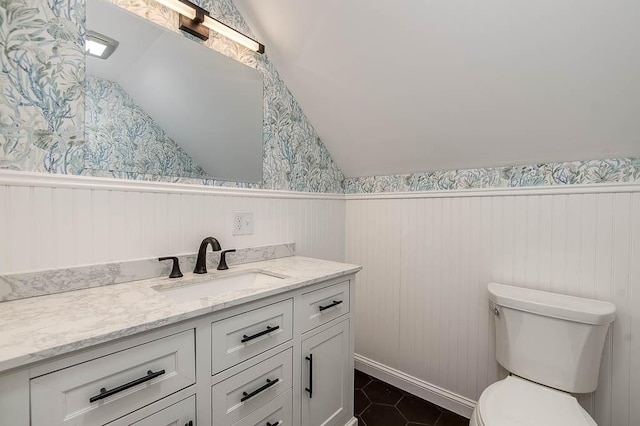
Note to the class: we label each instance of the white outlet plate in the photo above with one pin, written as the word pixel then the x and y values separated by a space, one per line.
pixel 242 223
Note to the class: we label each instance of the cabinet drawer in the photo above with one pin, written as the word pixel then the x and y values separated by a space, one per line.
pixel 243 336
pixel 254 386
pixel 277 412
pixel 131 379
pixel 178 414
pixel 321 306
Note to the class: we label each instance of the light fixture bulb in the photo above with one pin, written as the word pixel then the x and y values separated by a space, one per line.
pixel 95 48
pixel 232 34
pixel 99 45
pixel 180 7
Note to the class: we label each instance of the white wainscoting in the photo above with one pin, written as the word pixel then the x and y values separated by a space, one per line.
pixel 50 221
pixel 422 315
pixel 421 298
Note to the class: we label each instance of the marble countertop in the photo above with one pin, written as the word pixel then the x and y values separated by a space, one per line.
pixel 38 328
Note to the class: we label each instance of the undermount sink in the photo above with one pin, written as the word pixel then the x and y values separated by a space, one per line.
pixel 218 286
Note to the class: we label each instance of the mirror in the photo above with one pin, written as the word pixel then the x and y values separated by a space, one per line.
pixel 162 104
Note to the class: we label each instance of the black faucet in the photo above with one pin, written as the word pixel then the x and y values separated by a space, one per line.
pixel 175 272
pixel 222 265
pixel 201 262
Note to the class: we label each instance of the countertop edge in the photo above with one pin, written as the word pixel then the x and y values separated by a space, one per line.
pixel 67 348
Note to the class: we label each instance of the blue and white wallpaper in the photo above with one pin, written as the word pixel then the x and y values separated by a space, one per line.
pixel 565 173
pixel 120 135
pixel 42 101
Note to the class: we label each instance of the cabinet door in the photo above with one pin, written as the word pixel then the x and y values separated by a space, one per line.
pixel 182 413
pixel 326 377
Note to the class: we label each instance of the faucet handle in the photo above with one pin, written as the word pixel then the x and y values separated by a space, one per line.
pixel 175 272
pixel 223 259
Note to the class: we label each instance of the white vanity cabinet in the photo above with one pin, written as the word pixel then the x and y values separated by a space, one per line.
pixel 285 360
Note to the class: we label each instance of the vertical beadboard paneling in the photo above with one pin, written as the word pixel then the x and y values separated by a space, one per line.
pixel 163 224
pixel 99 226
pixel 133 223
pixel 545 239
pixel 573 244
pixel 44 250
pixel 19 218
pixel 603 290
pixel 485 250
pixel 148 246
pixel 44 228
pixel 472 291
pixel 422 301
pixel 5 259
pixel 117 231
pixel 81 224
pixel 587 253
pixel 558 242
pixel 634 303
pixel 621 268
pixel 62 234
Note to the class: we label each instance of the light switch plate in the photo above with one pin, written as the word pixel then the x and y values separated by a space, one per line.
pixel 242 223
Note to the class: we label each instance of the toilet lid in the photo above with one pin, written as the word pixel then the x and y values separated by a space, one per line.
pixel 518 402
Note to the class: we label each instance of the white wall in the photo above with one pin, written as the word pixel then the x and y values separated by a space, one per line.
pixel 49 221
pixel 421 297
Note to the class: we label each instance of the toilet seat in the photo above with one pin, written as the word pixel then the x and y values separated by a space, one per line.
pixel 518 402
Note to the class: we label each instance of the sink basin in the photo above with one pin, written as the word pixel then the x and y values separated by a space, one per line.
pixel 218 286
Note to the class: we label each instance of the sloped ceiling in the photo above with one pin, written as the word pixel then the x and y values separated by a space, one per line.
pixel 409 86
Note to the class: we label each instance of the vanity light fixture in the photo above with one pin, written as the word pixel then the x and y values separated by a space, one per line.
pixel 232 34
pixel 197 22
pixel 182 8
pixel 99 45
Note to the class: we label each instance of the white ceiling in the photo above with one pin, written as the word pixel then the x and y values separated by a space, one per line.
pixel 407 86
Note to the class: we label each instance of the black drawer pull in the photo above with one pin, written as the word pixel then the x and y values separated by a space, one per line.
pixel 335 303
pixel 269 329
pixel 190 423
pixel 104 393
pixel 310 388
pixel 278 423
pixel 260 389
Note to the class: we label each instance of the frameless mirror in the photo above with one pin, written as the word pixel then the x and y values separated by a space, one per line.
pixel 162 104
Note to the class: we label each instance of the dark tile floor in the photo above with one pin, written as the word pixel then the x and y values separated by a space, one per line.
pixel 379 404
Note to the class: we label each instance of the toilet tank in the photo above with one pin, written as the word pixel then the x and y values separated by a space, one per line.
pixel 549 338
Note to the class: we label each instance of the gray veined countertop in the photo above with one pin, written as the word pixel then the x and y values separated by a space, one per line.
pixel 38 328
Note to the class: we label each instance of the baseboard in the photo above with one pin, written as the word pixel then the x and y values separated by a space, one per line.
pixel 352 422
pixel 432 393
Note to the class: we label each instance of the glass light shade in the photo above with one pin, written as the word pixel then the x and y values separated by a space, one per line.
pixel 231 33
pixel 180 7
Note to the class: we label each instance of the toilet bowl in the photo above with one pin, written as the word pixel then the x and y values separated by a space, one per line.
pixel 518 402
pixel 537 334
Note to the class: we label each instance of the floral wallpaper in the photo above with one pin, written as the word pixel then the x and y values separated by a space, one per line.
pixel 42 101
pixel 120 135
pixel 565 173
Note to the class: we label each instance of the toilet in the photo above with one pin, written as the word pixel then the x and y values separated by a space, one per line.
pixel 551 344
